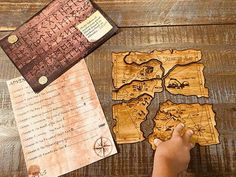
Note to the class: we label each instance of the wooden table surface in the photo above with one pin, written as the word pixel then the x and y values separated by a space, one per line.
pixel 145 25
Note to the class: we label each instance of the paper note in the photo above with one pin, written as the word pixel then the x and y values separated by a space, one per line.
pixel 94 27
pixel 62 128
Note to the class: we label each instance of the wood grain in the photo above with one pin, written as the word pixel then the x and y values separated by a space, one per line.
pixel 218 46
pixel 134 12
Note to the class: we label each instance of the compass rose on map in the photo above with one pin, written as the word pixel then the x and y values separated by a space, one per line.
pixel 103 147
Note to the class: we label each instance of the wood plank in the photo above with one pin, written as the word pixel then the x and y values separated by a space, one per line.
pixel 128 13
pixel 3 34
pixel 218 45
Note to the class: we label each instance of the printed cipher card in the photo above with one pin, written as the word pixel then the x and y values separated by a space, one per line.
pixel 55 39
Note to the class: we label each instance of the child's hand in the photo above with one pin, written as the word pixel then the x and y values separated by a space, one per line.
pixel 172 156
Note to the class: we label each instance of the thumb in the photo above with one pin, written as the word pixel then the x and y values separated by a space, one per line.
pixel 157 142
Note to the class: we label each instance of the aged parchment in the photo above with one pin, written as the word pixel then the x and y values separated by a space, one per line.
pixel 187 80
pixel 128 118
pixel 197 117
pixel 123 73
pixel 168 58
pixel 137 88
pixel 62 128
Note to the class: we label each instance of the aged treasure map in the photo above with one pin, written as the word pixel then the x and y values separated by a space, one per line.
pixel 123 73
pixel 187 80
pixel 197 117
pixel 62 128
pixel 168 58
pixel 137 88
pixel 141 74
pixel 128 118
pixel 55 39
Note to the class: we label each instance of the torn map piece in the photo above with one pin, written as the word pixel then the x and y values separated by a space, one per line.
pixel 187 80
pixel 128 118
pixel 123 73
pixel 62 128
pixel 137 88
pixel 197 117
pixel 168 58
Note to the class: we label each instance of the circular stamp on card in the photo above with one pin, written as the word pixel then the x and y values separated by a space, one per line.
pixel 103 147
pixel 43 80
pixel 12 39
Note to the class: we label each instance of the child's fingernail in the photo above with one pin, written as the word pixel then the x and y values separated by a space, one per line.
pixel 190 132
pixel 192 145
pixel 156 141
pixel 182 124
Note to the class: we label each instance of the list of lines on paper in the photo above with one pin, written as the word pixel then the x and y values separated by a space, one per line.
pixel 66 116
